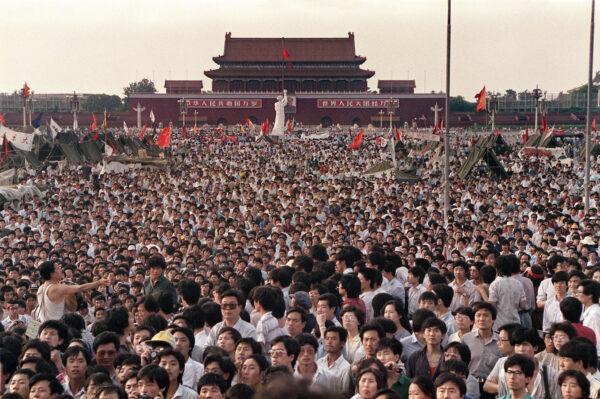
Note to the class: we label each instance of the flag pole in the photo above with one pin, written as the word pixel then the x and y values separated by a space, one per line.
pixel 447 116
pixel 282 64
pixel 588 132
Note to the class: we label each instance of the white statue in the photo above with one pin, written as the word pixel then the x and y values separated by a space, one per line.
pixel 279 124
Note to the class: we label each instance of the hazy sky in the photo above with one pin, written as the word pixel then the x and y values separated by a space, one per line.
pixel 102 46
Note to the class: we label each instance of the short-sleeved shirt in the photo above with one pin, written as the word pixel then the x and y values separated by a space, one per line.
pixel 484 355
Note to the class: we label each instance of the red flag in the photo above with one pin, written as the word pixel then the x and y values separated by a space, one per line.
pixel 526 136
pixel 398 134
pixel 264 128
pixel 164 138
pixel 289 125
pixel 286 54
pixel 96 136
pixel 544 123
pixel 5 150
pixel 93 126
pixel 26 91
pixel 183 133
pixel 480 100
pixel 594 125
pixel 355 145
pixel 439 127
pixel 2 119
pixel 143 131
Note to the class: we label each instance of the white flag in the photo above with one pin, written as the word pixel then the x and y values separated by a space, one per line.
pixel 125 126
pixel 75 124
pixel 152 118
pixel 54 128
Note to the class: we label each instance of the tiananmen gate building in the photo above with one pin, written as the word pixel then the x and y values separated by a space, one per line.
pixel 324 78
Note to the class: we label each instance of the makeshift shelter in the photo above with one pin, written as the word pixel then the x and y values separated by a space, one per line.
pixel 483 150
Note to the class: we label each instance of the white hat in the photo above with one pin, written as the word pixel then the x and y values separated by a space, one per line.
pixel 588 241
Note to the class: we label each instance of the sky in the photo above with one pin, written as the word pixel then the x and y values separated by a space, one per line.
pixel 91 46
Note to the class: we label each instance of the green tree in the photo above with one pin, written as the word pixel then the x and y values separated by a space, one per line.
pixel 511 95
pixel 459 104
pixel 101 102
pixel 143 86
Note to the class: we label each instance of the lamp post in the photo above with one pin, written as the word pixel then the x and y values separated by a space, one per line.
pixel 195 118
pixel 390 110
pixel 492 106
pixel 447 132
pixel 74 109
pixel 537 94
pixel 30 102
pixel 588 119
pixel 183 107
pixel 381 113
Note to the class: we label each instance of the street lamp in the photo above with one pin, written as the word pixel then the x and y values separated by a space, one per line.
pixel 492 108
pixel 74 109
pixel 381 113
pixel 30 102
pixel 537 94
pixel 195 118
pixel 390 109
pixel 183 107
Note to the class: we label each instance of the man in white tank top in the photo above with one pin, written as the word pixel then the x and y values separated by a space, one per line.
pixel 51 295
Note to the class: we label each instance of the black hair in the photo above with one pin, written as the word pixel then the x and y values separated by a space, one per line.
pixel 235 334
pixel 505 264
pixel 582 381
pixel 165 302
pixel 341 331
pixel 117 320
pixel 456 380
pixel 331 299
pixel 54 384
pixel 188 333
pixel 380 377
pixel 212 313
pixel 260 360
pixel 110 389
pixel 428 296
pixel 74 351
pixel 387 393
pixel 107 337
pixel 560 276
pixel 265 296
pixel 282 275
pixel 571 309
pixel 443 292
pixel 463 350
pixel 225 364
pixel 434 322
pixel 425 384
pixel 178 356
pixel 60 327
pixel 372 326
pixel 156 321
pixel 530 335
pixel 399 306
pixel 419 318
pixel 359 313
pixel 418 273
pixel 527 365
pixel 254 345
pixel 46 269
pixel 307 339
pixel 234 293
pixel 212 379
pixel 156 261
pixel 455 366
pixel 565 327
pixel 466 311
pixel 291 346
pixel 373 276
pixel 390 343
pixel 155 373
pixel 189 291
pixel 591 287
pixel 575 351
pixel 509 327
pixel 9 363
pixel 477 306
pixel 74 320
pixel 240 391
pixel 149 303
pixel 351 284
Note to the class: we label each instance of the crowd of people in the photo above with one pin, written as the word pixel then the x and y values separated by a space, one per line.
pixel 259 269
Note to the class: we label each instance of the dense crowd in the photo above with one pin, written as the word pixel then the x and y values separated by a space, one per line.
pixel 258 269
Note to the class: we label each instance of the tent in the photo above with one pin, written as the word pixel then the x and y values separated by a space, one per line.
pixel 483 149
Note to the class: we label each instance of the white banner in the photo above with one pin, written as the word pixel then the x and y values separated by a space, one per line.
pixel 315 136
pixel 22 141
pixel 421 136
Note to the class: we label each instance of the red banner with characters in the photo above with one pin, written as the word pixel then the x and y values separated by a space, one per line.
pixel 355 103
pixel 225 103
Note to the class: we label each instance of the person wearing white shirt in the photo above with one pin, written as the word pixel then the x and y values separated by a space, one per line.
pixel 390 284
pixel 184 344
pixel 546 289
pixel 416 288
pixel 231 307
pixel 173 363
pixel 334 341
pixel 307 368
pixel 552 312
pixel 370 281
pixel 267 327
pixel 587 293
